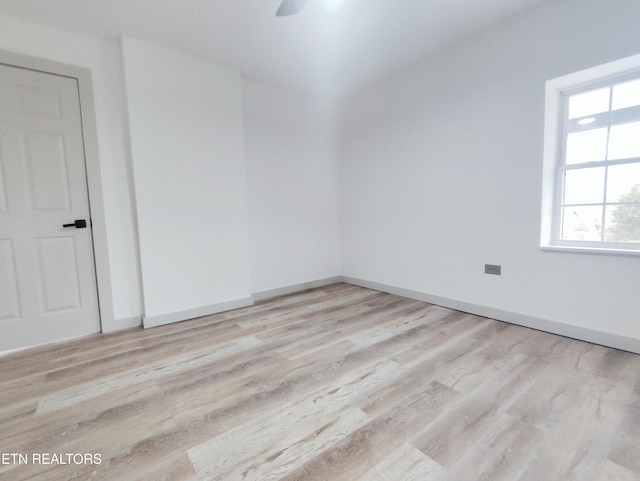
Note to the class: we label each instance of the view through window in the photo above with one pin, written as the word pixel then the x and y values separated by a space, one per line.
pixel 598 173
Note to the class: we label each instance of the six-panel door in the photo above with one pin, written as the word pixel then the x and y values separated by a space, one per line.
pixel 47 272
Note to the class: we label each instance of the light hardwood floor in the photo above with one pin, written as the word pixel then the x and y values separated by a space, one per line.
pixel 336 383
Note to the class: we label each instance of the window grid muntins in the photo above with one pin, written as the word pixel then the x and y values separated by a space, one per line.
pixel 598 177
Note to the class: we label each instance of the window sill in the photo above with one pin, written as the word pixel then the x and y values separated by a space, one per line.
pixel 591 250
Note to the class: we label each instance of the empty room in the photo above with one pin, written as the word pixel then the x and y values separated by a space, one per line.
pixel 356 240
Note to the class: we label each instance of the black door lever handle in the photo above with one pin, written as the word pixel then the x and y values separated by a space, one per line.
pixel 78 224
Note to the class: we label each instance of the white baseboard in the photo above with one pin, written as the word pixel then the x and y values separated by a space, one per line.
pixel 162 319
pixel 282 291
pixel 575 332
pixel 608 339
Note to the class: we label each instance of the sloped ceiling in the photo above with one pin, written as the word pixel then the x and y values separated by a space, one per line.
pixel 314 51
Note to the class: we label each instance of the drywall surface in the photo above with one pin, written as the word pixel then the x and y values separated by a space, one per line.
pixel 441 171
pixel 185 117
pixel 292 175
pixel 104 61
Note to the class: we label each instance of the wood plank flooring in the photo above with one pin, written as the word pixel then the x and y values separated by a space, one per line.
pixel 336 383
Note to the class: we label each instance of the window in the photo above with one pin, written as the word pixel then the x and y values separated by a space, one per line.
pixel 592 162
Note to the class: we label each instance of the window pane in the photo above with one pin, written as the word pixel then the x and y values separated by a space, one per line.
pixel 586 146
pixel 624 141
pixel 620 181
pixel 589 103
pixel 626 95
pixel 584 186
pixel 582 223
pixel 623 222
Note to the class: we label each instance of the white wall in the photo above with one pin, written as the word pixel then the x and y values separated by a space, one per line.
pixel 103 59
pixel 292 177
pixel 185 117
pixel 441 173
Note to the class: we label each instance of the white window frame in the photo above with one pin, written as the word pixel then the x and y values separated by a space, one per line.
pixel 557 93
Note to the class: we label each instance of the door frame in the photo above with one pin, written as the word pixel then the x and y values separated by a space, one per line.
pixel 92 162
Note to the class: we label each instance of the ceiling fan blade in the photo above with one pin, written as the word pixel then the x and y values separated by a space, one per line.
pixel 290 7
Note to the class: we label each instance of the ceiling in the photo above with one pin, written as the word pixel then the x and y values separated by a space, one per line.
pixel 314 51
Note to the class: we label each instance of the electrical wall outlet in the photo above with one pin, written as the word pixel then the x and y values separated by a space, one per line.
pixel 492 269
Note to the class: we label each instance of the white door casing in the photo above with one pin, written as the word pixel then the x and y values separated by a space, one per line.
pixel 47 272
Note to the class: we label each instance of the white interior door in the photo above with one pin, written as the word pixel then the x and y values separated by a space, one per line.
pixel 47 271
